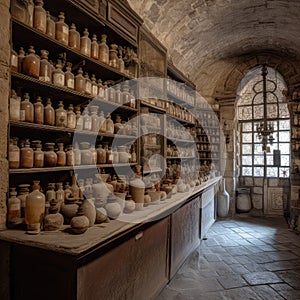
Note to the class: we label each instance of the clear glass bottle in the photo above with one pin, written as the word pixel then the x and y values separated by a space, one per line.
pixel 14 154
pixel 109 124
pixel 23 190
pixel 26 156
pixel 111 94
pixel 27 109
pixel 61 155
pixel 58 76
pixel 102 123
pixel 94 154
pixel 115 155
pixel 94 90
pixel 109 156
pixel 39 16
pixel 45 68
pixel 88 84
pixel 13 209
pixel 21 56
pixel 101 93
pixel 87 122
pixel 113 56
pixel 70 156
pixel 31 64
pixel 77 155
pixel 94 47
pixel 121 64
pixel 79 118
pixel 14 106
pixel 14 61
pixel 50 157
pixel 94 118
pixel 103 50
pixel 71 117
pixel 49 114
pixel 126 97
pixel 85 43
pixel 118 94
pixel 60 115
pixel 50 25
pixel 74 38
pixel 62 29
pixel 38 111
pixel 69 77
pixel 118 125
pixel 86 155
pixel 101 155
pixel 79 81
pixel 38 156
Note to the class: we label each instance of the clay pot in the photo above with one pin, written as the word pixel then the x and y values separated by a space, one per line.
pixel 101 215
pixel 89 210
pixel 112 207
pixel 80 223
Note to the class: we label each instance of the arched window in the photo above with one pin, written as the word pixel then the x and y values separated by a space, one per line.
pixel 267 111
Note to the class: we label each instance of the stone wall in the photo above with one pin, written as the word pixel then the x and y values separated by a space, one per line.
pixel 5 90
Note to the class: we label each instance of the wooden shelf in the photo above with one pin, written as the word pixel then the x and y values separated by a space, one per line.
pixel 154 170
pixel 181 141
pixel 153 107
pixel 183 157
pixel 172 118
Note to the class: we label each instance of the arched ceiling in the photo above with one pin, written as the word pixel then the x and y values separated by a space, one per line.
pixel 215 42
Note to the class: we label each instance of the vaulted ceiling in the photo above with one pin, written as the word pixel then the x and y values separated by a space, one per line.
pixel 215 42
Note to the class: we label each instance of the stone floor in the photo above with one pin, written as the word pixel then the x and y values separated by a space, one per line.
pixel 242 258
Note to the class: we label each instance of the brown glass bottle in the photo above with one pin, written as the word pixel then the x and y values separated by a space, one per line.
pixel 27 109
pixel 103 50
pixel 26 156
pixel 62 29
pixel 74 38
pixel 61 155
pixel 50 157
pixel 69 77
pixel 31 64
pixel 85 43
pixel 45 68
pixel 39 16
pixel 38 111
pixel 50 25
pixel 94 47
pixel 49 114
pixel 79 81
pixel 60 115
pixel 38 156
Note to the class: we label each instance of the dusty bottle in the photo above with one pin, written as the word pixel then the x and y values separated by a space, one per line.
pixel 58 76
pixel 116 159
pixel 14 61
pixel 49 114
pixel 71 117
pixel 38 156
pixel 23 190
pixel 85 43
pixel 21 56
pixel 50 25
pixel 14 154
pixel 61 155
pixel 109 124
pixel 94 47
pixel 60 115
pixel 74 37
pixel 79 81
pixel 109 155
pixel 14 209
pixel 94 154
pixel 38 111
pixel 45 68
pixel 60 195
pixel 118 125
pixel 94 90
pixel 113 56
pixel 101 92
pixel 103 50
pixel 62 29
pixel 70 156
pixel 87 122
pixel 101 155
pixel 77 155
pixel 86 155
pixel 14 106
pixel 50 157
pixel 69 77
pixel 40 16
pixel 102 123
pixel 88 84
pixel 118 94
pixel 26 155
pixel 31 64
pixel 35 209
pixel 79 118
pixel 27 109
pixel 121 64
pixel 94 118
pixel 74 187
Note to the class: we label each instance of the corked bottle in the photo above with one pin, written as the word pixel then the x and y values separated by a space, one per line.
pixel 50 157
pixel 94 91
pixel 71 117
pixel 31 64
pixel 70 156
pixel 49 114
pixel 50 27
pixel 103 50
pixel 61 155
pixel 87 121
pixel 94 47
pixel 69 77
pixel 45 67
pixel 88 84
pixel 40 16
pixel 58 75
pixel 74 38
pixel 21 56
pixel 27 110
pixel 101 155
pixel 79 81
pixel 62 29
pixel 14 154
pixel 13 208
pixel 26 155
pixel 113 56
pixel 38 111
pixel 60 115
pixel 102 123
pixel 94 118
pixel 14 106
pixel 38 156
pixel 85 43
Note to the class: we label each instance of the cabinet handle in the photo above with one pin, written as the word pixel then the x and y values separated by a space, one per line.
pixel 139 235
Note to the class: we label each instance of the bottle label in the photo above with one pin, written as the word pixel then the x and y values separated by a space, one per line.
pixel 88 87
pixel 14 61
pixel 59 79
pixel 14 207
pixel 14 156
pixel 70 83
pixel 94 90
pixel 65 30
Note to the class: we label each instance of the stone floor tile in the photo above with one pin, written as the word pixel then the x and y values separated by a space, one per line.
pixel 239 250
pixel 221 268
pixel 286 291
pixel 246 236
pixel 281 265
pixel 241 293
pixel 261 258
pixel 239 269
pixel 243 242
pixel 256 242
pixel 266 248
pixel 266 292
pixel 197 294
pixel 228 259
pixel 244 259
pixel 212 257
pixel 292 277
pixel 229 282
pixel 254 267
pixel 262 278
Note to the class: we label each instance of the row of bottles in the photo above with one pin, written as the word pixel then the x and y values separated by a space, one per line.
pixel 181 91
pixel 69 36
pixel 207 147
pixel 179 112
pixel 178 151
pixel 31 155
pixel 180 132
pixel 207 131
pixel 208 139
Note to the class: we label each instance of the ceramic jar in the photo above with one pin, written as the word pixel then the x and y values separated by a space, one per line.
pixel 103 50
pixel 86 155
pixel 50 157
pixel 26 156
pixel 27 110
pixel 14 106
pixel 40 16
pixel 35 209
pixel 79 223
pixel 31 64
pixel 100 189
pixel 62 29
pixel 129 205
pixel 243 201
pixel 49 114
pixel 50 25
pixel 74 38
pixel 38 111
pixel 60 115
pixel 54 220
pixel 112 207
pixel 223 201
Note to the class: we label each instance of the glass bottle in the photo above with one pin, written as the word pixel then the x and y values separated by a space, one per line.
pixel 74 38
pixel 133 155
pixel 31 64
pixel 26 155
pixel 111 94
pixel 101 155
pixel 70 156
pixel 40 16
pixel 60 115
pixel 38 156
pixel 14 106
pixel 45 68
pixel 35 209
pixel 87 122
pixel 14 154
pixel 94 47
pixel 85 43
pixel 79 81
pixel 61 155
pixel 100 90
pixel 38 111
pixel 121 63
pixel 50 25
pixel 109 156
pixel 62 29
pixel 118 125
pixel 77 155
pixel 49 114
pixel 113 56
pixel 27 109
pixel 126 97
pixel 58 76
pixel 94 118
pixel 79 118
pixel 103 50
pixel 23 192
pixel 94 154
pixel 74 187
pixel 50 157
pixel 69 77
pixel 94 90
pixel 13 208
pixel 20 59
pixel 102 123
pixel 115 155
pixel 71 117
pixel 14 61
pixel 60 194
pixel 109 124
pixel 86 155
pixel 88 84
pixel 118 94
